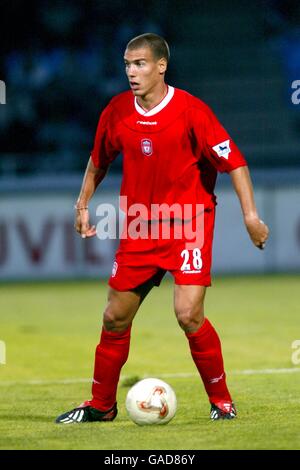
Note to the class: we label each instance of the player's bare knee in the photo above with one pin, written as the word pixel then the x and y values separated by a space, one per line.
pixel 112 321
pixel 115 325
pixel 109 320
pixel 190 319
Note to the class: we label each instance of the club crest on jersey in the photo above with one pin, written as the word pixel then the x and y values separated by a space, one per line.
pixel 147 147
pixel 223 149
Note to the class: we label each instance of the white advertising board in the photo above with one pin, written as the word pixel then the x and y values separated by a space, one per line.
pixel 38 240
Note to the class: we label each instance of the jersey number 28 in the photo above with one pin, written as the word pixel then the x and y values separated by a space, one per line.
pixel 196 259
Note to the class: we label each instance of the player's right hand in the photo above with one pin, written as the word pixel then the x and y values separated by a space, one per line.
pixel 82 225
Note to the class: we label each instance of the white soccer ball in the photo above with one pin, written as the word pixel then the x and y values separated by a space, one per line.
pixel 151 401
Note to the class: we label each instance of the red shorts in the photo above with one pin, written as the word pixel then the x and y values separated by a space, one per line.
pixel 189 261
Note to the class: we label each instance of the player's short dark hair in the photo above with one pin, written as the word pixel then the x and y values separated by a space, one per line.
pixel 157 44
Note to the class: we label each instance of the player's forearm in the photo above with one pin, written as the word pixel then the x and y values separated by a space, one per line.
pixel 92 178
pixel 242 184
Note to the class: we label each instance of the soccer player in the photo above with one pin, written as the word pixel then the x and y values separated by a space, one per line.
pixel 173 146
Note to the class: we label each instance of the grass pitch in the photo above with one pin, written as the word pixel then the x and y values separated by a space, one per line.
pixel 51 330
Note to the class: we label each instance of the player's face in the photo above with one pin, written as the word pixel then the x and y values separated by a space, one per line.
pixel 143 71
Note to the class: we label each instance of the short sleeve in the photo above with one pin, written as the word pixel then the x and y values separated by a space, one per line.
pixel 216 144
pixel 104 150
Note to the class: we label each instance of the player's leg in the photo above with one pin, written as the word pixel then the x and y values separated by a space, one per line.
pixel 205 347
pixel 113 349
pixel 123 305
pixel 189 306
pixel 111 354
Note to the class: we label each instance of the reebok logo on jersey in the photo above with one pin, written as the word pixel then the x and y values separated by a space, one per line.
pixel 223 149
pixel 147 148
pixel 147 123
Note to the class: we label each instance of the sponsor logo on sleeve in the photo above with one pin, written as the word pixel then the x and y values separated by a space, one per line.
pixel 222 149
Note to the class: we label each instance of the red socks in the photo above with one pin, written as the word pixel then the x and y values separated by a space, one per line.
pixel 111 355
pixel 206 351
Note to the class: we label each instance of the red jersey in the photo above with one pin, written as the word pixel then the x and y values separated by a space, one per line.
pixel 171 154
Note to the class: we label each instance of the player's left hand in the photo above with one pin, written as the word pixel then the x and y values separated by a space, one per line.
pixel 258 231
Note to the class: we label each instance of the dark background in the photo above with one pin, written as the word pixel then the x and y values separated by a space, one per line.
pixel 63 60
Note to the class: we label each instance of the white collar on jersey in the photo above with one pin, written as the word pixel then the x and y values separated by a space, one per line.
pixel 158 107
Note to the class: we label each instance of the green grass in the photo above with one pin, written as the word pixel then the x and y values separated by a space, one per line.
pixel 51 330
